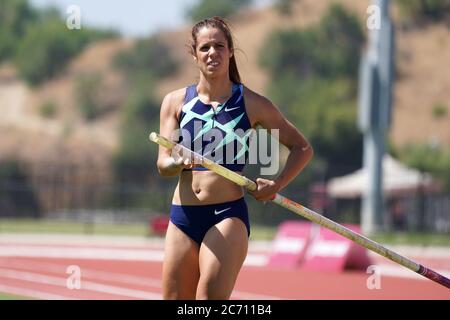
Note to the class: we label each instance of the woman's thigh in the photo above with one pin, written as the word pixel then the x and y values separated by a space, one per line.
pixel 180 266
pixel 222 254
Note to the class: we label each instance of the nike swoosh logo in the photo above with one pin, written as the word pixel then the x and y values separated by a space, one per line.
pixel 219 212
pixel 230 109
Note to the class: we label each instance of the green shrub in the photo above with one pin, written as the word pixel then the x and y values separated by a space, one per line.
pixel 222 8
pixel 134 159
pixel 284 6
pixel 340 39
pixel 87 90
pixel 327 50
pixel 141 106
pixel 290 51
pixel 313 82
pixel 423 10
pixel 48 109
pixel 48 46
pixel 326 114
pixel 429 158
pixel 15 15
pixel 134 164
pixel 440 110
pixel 17 197
pixel 149 56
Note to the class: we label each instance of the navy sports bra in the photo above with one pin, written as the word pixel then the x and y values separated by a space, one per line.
pixel 221 135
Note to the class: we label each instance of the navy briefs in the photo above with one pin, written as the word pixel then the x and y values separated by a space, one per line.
pixel 196 220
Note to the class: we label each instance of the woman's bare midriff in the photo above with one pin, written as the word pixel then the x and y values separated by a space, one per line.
pixel 205 187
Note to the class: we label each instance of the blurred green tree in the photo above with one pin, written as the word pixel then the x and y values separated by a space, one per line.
pixel 428 158
pixel 284 6
pixel 326 114
pixel 327 50
pixel 134 163
pixel 222 8
pixel 47 47
pixel 15 15
pixel 140 115
pixel 417 11
pixel 149 56
pixel 17 197
pixel 314 76
pixel 86 91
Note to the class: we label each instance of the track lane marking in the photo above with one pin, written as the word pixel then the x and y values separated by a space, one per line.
pixel 85 285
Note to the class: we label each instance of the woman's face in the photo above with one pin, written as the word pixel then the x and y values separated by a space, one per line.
pixel 212 52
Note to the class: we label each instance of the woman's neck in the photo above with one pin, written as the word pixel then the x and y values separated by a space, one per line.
pixel 218 89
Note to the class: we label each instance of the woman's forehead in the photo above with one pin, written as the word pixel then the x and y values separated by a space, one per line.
pixel 210 34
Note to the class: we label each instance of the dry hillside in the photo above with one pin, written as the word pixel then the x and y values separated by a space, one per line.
pixel 29 135
pixel 423 82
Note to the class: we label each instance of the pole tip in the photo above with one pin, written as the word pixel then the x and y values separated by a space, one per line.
pixel 153 136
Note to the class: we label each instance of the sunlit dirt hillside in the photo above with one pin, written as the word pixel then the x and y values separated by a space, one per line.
pixel 423 85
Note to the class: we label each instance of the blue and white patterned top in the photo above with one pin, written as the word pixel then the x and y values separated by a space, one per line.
pixel 221 134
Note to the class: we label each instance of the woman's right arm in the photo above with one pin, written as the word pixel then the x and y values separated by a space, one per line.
pixel 167 165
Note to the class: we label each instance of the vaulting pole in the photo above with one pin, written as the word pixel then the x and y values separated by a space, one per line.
pixel 304 212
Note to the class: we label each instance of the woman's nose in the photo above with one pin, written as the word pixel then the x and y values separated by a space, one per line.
pixel 212 50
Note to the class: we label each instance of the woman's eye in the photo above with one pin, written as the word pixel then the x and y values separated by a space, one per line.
pixel 206 48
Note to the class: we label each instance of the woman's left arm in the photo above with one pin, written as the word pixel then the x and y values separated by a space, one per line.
pixel 270 117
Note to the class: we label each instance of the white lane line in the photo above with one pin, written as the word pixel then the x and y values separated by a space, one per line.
pixel 81 253
pixel 75 246
pixel 85 272
pixel 255 246
pixel 401 272
pixel 103 254
pixel 86 285
pixel 112 276
pixel 80 239
pixel 256 260
pixel 157 256
pixel 242 295
pixel 29 293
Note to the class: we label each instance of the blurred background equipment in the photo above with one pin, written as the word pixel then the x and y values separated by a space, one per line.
pixel 376 81
pixel 403 189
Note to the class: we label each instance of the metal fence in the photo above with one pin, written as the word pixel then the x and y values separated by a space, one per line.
pixel 90 193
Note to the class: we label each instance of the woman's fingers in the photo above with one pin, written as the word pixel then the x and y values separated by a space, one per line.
pixel 266 190
pixel 182 160
pixel 188 163
pixel 178 161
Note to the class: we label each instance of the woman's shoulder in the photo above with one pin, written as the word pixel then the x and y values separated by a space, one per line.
pixel 172 102
pixel 254 98
pixel 257 106
pixel 176 95
pixel 174 99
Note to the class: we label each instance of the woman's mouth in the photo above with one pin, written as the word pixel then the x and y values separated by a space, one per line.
pixel 213 64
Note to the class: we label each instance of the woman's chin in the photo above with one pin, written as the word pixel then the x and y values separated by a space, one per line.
pixel 211 69
pixel 214 72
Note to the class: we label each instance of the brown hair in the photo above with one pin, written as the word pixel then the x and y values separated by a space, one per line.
pixel 221 24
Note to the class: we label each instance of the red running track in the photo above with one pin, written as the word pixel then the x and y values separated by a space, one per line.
pixel 47 278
